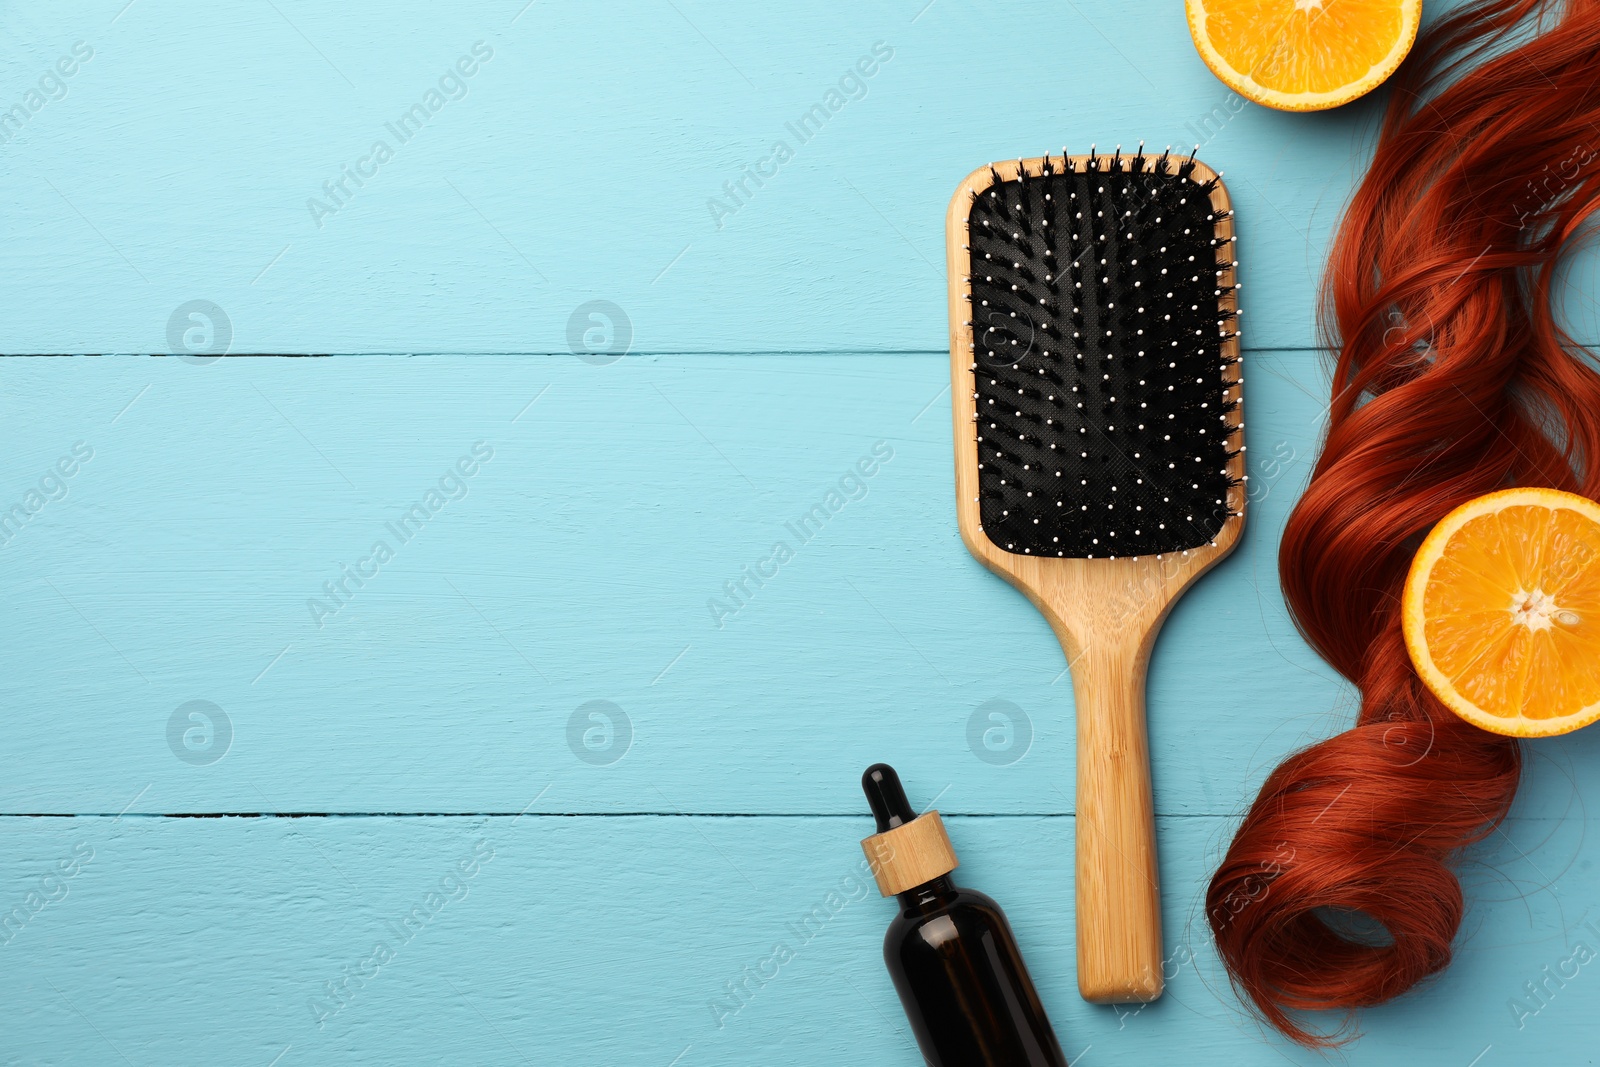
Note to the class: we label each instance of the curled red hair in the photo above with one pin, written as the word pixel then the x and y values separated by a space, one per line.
pixel 1452 380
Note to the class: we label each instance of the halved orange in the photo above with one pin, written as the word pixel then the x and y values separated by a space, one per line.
pixel 1502 612
pixel 1303 55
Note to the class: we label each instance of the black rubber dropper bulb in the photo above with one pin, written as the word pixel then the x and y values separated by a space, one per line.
pixel 886 796
pixel 950 951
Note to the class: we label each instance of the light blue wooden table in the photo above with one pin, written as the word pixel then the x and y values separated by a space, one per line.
pixel 569 777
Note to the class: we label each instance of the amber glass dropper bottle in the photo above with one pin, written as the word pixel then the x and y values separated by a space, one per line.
pixel 950 950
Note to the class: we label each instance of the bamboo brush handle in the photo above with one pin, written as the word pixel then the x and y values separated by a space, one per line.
pixel 1119 896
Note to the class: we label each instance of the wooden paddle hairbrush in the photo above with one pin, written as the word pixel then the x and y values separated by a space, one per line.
pixel 1094 361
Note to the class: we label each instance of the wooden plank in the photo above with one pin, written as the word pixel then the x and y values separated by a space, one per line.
pixel 493 222
pixel 578 567
pixel 617 940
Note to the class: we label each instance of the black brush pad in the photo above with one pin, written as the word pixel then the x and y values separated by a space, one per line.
pixel 1102 424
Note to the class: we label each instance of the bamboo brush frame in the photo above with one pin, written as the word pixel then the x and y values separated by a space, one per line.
pixel 1106 613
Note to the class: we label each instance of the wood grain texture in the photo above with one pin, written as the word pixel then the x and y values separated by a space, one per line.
pixel 616 941
pixel 589 559
pixel 1107 613
pixel 545 640
pixel 180 162
pixel 578 567
pixel 910 854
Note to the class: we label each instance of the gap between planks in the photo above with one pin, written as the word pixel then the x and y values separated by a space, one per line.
pixel 563 354
pixel 603 815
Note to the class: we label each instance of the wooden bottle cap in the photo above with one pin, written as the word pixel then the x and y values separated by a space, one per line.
pixel 910 854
